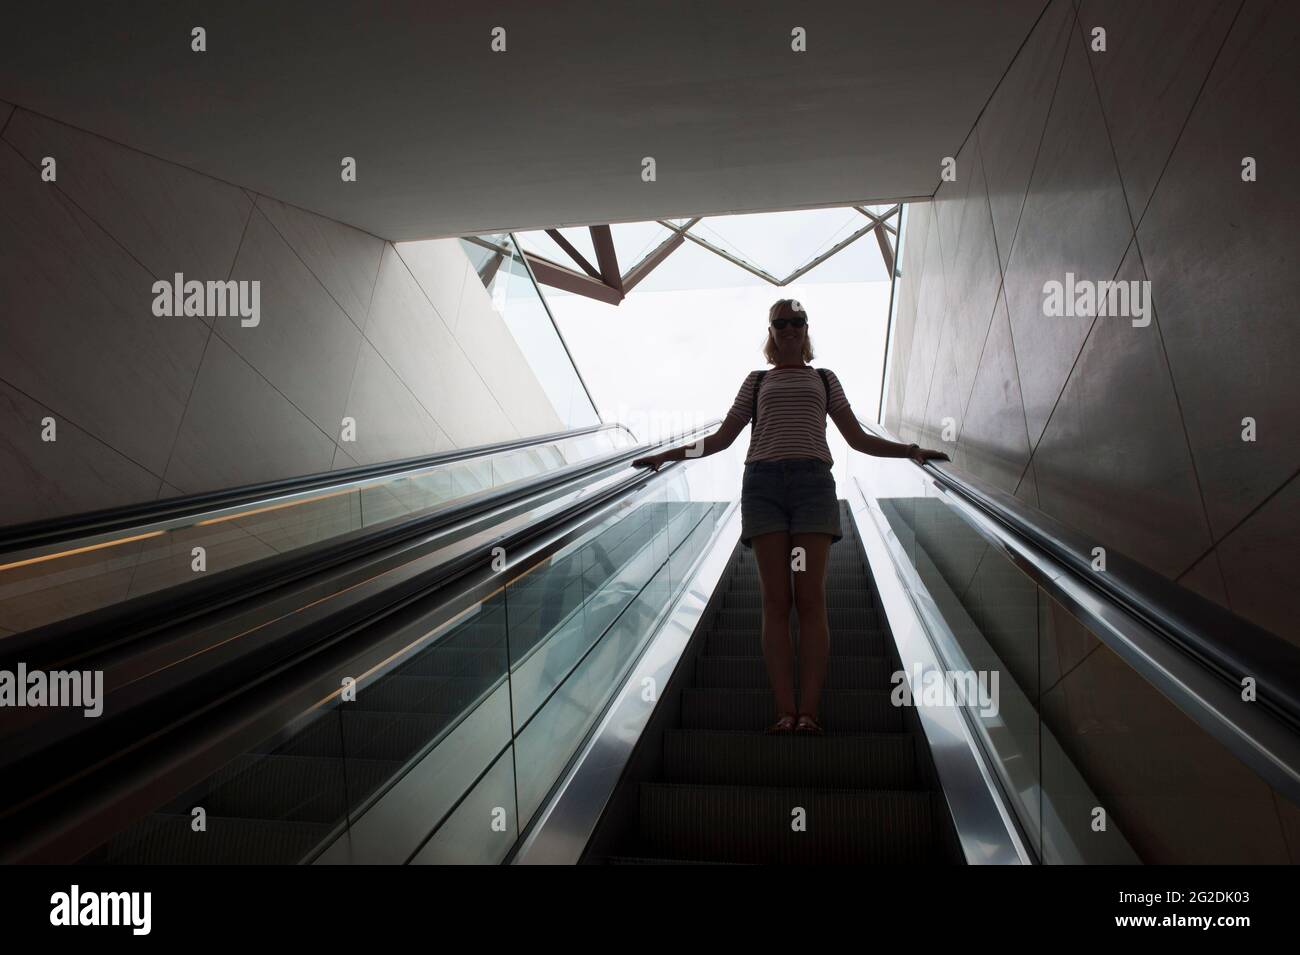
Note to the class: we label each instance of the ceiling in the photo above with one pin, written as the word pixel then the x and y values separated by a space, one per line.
pixel 451 138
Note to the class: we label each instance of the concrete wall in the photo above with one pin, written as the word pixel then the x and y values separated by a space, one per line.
pixel 1126 164
pixel 403 338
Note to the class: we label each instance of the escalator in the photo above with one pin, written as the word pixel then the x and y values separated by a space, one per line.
pixel 281 801
pixel 536 653
pixel 345 699
pixel 1052 714
pixel 727 792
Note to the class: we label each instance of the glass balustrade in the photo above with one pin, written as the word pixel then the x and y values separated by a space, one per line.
pixel 44 584
pixel 1097 764
pixel 447 751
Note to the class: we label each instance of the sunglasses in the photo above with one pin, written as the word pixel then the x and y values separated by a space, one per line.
pixel 798 322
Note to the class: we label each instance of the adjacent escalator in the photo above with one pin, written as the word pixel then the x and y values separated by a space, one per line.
pixel 362 709
pixel 284 801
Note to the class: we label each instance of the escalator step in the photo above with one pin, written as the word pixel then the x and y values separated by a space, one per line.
pixel 711 757
pixel 752 824
pixel 842 563
pixel 485 633
pixel 842 711
pixel 858 599
pixel 746 643
pixel 390 737
pixel 457 662
pixel 420 694
pixel 288 788
pixel 745 580
pixel 749 673
pixel 364 734
pixel 165 838
pixel 751 618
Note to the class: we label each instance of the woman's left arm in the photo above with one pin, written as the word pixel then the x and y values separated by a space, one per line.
pixel 860 440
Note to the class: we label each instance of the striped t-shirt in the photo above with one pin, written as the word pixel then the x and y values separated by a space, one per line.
pixel 792 410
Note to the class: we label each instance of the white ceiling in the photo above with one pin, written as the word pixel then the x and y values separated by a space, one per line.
pixel 452 139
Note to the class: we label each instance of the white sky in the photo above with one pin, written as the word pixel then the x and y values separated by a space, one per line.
pixel 673 354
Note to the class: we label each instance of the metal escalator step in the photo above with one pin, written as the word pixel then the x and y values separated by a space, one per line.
pixel 288 788
pixel 846 549
pixel 839 593
pixel 843 562
pixel 711 757
pixel 844 673
pixel 390 737
pixel 741 618
pixel 458 661
pixel 756 824
pixel 488 631
pixel 745 643
pixel 745 577
pixel 858 598
pixel 168 839
pixel 842 711
pixel 363 734
pixel 845 599
pixel 420 694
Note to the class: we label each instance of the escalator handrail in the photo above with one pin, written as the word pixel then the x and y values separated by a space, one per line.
pixel 213 699
pixel 56 530
pixel 1193 624
pixel 64 642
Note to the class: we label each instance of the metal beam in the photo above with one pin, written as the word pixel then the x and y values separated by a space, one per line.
pixel 607 285
pixel 602 240
pixel 886 252
pixel 557 276
pixel 650 262
pixel 753 269
pixel 573 253
pixel 489 270
pixel 889 213
pixel 828 253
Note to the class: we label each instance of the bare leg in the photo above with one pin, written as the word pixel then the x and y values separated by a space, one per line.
pixel 814 629
pixel 772 553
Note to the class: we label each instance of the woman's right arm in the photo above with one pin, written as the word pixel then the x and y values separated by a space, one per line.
pixel 718 441
pixel 734 423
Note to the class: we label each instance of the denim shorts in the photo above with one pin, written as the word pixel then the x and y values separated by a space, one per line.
pixel 792 494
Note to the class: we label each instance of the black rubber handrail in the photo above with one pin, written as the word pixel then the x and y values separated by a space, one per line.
pixel 73 526
pixel 1227 644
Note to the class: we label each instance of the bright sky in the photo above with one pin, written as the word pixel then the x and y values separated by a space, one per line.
pixel 673 354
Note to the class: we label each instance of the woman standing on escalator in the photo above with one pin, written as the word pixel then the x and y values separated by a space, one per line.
pixel 788 505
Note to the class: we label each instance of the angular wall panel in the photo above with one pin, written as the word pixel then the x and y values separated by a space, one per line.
pixel 1113 461
pixel 1220 254
pixel 1075 222
pixel 303 343
pixel 79 334
pixel 1158 53
pixel 74 473
pixel 1013 122
pixel 167 217
pixel 239 430
pixel 343 259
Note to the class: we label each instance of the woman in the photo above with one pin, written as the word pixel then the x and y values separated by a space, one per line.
pixel 788 501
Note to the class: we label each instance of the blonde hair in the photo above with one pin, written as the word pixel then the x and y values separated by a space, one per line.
pixel 769 345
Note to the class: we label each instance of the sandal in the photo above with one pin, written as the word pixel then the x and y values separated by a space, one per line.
pixel 785 724
pixel 807 725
